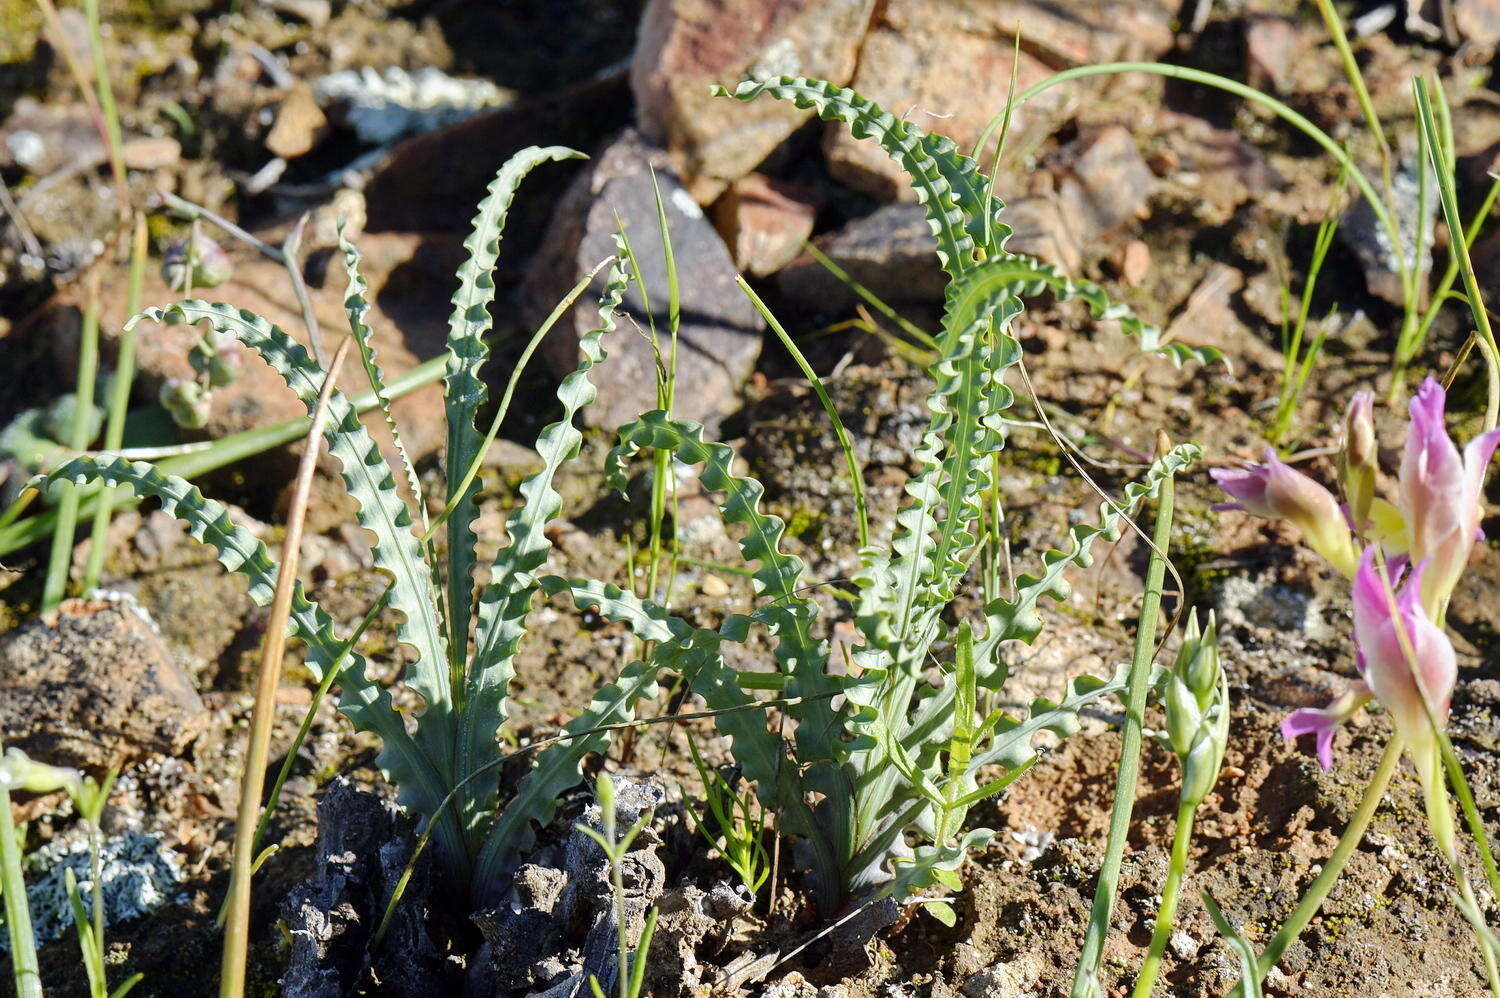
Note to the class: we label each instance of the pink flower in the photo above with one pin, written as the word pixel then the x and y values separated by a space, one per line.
pixel 1324 721
pixel 1441 495
pixel 1409 665
pixel 1403 653
pixel 1278 492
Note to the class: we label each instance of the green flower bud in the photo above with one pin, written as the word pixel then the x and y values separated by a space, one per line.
pixel 219 367
pixel 19 772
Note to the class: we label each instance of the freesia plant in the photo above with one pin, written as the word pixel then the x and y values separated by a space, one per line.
pixel 1411 555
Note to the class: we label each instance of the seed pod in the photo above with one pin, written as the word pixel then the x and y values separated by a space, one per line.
pixel 211 265
pixel 187 401
pixel 219 367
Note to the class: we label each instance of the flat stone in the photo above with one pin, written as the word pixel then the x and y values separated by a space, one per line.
pixel 684 46
pixel 1271 46
pixel 764 222
pixel 891 252
pixel 91 685
pixel 945 65
pixel 1109 184
pixel 720 332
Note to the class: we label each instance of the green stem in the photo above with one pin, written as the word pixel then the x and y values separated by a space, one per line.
pixel 1356 78
pixel 1449 197
pixel 23 966
pixel 1182 839
pixel 56 584
pixel 119 403
pixel 1407 348
pixel 856 478
pixel 1481 932
pixel 107 103
pixel 1348 842
pixel 1085 980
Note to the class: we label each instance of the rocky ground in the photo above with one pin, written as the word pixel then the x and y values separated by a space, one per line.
pixel 1191 207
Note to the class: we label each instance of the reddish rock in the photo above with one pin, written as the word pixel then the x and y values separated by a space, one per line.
pixel 1041 228
pixel 410 325
pixel 764 222
pixel 1478 21
pixel 720 333
pixel 91 685
pixel 684 46
pixel 1271 45
pixel 1110 182
pixel 946 66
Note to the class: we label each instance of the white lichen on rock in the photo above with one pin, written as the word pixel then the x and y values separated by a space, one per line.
pixel 138 871
pixel 382 107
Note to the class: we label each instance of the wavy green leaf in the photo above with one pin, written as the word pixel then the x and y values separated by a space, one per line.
pixel 507 599
pixel 381 511
pixel 465 389
pixel 366 704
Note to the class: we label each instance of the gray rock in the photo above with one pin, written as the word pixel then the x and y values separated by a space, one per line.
pixel 892 252
pixel 364 844
pixel 556 928
pixel 1362 232
pixel 720 331
pixel 91 685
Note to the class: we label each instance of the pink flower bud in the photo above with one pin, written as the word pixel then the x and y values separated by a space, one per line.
pixel 1278 492
pixel 1441 495
pixel 1358 461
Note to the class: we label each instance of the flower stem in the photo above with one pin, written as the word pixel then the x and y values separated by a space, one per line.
pixel 1085 979
pixel 23 965
pixel 1348 842
pixel 1182 838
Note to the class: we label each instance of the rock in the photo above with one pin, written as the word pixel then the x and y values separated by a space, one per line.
pixel 764 222
pixel 1135 262
pixel 1362 232
pixel 688 916
pixel 1478 21
pixel 1110 183
pixel 91 685
pixel 684 46
pixel 720 331
pixel 946 66
pixel 151 153
pixel 1271 45
pixel 891 252
pixel 300 124
pixel 433 182
pixel 530 937
pixel 1041 227
pixel 42 139
pixel 411 279
pixel 364 845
